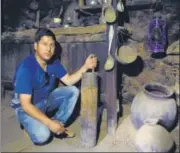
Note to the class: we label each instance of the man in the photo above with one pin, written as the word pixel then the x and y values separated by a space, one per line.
pixel 35 93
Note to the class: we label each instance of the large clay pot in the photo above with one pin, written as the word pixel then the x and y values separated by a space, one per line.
pixel 155 101
pixel 152 137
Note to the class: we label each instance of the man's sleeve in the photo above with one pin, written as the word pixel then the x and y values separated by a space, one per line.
pixel 58 69
pixel 23 81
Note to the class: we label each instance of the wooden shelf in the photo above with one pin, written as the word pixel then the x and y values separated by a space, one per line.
pixel 89 9
pixel 134 5
pixel 99 28
pixel 69 34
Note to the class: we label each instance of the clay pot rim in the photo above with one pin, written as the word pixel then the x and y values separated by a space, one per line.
pixel 168 92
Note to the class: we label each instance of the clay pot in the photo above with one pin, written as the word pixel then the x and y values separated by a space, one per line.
pixel 152 137
pixel 155 101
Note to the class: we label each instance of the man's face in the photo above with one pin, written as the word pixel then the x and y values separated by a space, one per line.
pixel 45 48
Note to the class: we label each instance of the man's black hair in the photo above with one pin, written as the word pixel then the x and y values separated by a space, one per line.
pixel 44 32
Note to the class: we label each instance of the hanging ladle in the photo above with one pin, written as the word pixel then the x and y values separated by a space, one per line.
pixel 120 6
pixel 109 64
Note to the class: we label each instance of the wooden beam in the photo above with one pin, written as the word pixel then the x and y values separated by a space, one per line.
pixel 77 34
pixel 80 30
pixel 82 38
pixel 60 38
pixel 111 91
pixel 142 4
pixel 111 101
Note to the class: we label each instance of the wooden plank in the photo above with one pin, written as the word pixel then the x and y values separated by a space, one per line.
pixel 12 54
pixel 82 38
pixel 89 9
pixel 111 91
pixel 80 30
pixel 142 4
pixel 9 56
pixel 60 38
pixel 28 35
pixel 110 99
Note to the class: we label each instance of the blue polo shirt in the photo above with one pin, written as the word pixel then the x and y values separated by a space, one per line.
pixel 31 79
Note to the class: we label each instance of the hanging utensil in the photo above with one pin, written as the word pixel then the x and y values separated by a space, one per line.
pixel 58 19
pixel 109 14
pixel 120 6
pixel 109 64
pixel 102 19
pixel 34 5
pixel 126 54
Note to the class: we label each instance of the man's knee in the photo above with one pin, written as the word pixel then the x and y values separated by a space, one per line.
pixel 42 136
pixel 75 90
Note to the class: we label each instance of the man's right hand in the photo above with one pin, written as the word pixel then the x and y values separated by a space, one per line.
pixel 56 127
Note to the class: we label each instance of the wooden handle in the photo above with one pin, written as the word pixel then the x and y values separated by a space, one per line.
pixel 111 34
pixel 92 70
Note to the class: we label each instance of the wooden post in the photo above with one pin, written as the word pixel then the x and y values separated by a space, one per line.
pixel 111 101
pixel 111 91
pixel 89 103
pixel 37 23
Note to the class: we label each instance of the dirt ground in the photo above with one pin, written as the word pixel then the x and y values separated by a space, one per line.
pixel 13 138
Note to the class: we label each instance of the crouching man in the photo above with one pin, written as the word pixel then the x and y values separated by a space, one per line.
pixel 36 93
